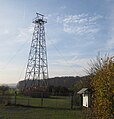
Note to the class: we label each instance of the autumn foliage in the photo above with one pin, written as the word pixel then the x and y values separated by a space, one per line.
pixel 102 84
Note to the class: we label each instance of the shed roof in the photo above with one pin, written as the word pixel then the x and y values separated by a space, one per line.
pixel 82 91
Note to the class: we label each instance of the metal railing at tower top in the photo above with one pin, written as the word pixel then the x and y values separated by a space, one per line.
pixel 39 19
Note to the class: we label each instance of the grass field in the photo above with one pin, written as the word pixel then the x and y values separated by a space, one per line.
pixel 14 112
pixel 51 102
pixel 53 108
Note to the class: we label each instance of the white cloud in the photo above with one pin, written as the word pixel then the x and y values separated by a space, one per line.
pixel 63 7
pixel 74 66
pixel 110 41
pixel 25 34
pixel 79 24
pixel 10 72
pixel 82 62
pixel 5 32
pixel 95 18
pixel 10 37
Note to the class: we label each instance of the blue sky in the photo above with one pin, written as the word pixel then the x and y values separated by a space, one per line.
pixel 76 31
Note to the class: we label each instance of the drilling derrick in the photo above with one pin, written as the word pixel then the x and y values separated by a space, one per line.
pixel 37 67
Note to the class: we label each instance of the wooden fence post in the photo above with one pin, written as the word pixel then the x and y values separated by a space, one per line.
pixel 71 100
pixel 15 97
pixel 28 102
pixel 41 99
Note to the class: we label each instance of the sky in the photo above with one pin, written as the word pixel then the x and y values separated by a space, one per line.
pixel 76 31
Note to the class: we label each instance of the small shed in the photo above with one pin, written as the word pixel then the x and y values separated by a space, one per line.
pixel 85 96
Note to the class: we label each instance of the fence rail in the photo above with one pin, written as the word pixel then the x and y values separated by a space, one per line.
pixel 65 102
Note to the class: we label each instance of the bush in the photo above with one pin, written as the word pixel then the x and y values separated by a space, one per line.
pixel 102 85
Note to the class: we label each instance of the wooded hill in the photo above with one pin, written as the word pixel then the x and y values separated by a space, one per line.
pixel 67 82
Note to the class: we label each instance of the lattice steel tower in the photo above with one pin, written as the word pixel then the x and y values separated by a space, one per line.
pixel 37 67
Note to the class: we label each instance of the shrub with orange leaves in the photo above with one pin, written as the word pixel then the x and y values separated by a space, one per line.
pixel 102 83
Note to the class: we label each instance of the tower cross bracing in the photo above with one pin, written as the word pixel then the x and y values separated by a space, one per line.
pixel 37 67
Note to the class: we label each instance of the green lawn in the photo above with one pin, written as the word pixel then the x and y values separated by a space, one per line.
pixel 53 108
pixel 16 112
pixel 53 101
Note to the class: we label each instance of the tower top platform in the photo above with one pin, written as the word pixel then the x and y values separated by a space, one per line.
pixel 40 19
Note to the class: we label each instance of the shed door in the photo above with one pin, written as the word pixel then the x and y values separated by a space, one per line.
pixel 85 100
